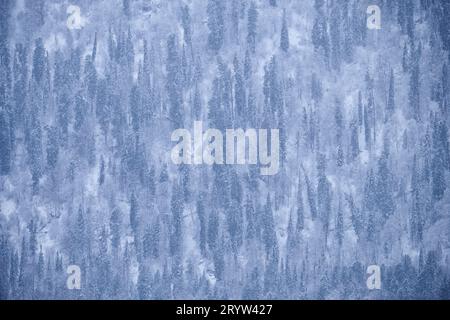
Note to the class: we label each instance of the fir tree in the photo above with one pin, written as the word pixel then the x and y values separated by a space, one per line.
pixel 284 40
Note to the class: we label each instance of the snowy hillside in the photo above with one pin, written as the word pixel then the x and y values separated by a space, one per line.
pixel 91 91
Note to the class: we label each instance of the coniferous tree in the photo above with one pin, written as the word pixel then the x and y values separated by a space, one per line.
pixel 414 85
pixel 416 211
pixel 101 178
pixel 52 147
pixel 269 235
pixel 5 144
pixel 252 19
pixel 335 40
pixel 235 19
pixel 340 224
pixel 4 257
pixel 247 65
pixel 20 71
pixel 114 226
pixel 134 213
pixel 239 90
pixel 385 180
pixel 186 22
pixel 284 40
pixel 38 61
pixel 391 95
pixel 173 84
pixel 203 231
pixel 440 159
pixel 126 7
pixel 444 26
pixel 34 15
pixel 216 24
pixel 177 207
pixel 354 140
pixel 369 205
pixel 197 108
pixel 320 37
pixel 300 209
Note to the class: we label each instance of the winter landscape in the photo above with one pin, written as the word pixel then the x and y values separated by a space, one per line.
pixel 345 104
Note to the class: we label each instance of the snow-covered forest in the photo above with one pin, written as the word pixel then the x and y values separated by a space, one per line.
pixel 89 99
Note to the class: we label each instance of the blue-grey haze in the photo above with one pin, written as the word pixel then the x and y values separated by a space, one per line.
pixel 88 101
